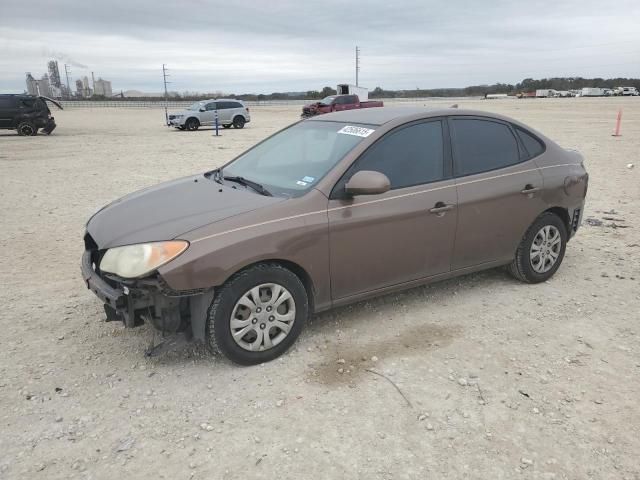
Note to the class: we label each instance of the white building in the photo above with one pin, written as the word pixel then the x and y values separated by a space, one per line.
pixel 103 87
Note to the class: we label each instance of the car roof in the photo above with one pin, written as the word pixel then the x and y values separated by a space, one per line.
pixel 222 100
pixel 382 115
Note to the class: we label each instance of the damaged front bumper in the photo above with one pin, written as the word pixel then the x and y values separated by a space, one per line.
pixel 137 301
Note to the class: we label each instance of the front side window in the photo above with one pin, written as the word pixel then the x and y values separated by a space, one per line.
pixel 328 100
pixel 482 145
pixel 412 155
pixel 294 160
pixel 211 106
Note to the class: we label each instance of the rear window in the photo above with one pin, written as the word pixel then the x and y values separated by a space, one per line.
pixel 533 146
pixel 483 145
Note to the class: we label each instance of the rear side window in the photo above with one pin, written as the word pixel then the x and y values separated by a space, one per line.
pixel 533 146
pixel 410 156
pixel 483 145
pixel 235 105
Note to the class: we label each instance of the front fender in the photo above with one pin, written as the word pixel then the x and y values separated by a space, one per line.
pixel 213 257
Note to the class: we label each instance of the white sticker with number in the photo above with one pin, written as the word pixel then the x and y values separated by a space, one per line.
pixel 357 131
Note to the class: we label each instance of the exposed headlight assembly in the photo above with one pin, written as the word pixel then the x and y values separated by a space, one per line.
pixel 133 261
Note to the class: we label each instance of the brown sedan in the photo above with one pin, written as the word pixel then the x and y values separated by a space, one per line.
pixel 330 211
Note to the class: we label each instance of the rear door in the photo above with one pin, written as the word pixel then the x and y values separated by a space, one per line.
pixel 225 112
pixel 498 190
pixel 377 241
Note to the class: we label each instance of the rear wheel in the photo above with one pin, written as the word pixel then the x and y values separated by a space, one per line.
pixel 238 122
pixel 26 129
pixel 192 124
pixel 541 251
pixel 257 314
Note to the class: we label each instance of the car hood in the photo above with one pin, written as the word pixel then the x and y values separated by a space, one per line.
pixel 184 112
pixel 168 210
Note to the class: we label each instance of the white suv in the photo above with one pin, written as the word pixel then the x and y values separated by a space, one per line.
pixel 203 113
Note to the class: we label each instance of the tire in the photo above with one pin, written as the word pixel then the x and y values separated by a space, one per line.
pixel 226 126
pixel 539 254
pixel 238 122
pixel 226 308
pixel 192 124
pixel 27 129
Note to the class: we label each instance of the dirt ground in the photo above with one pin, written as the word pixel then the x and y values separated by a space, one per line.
pixel 500 380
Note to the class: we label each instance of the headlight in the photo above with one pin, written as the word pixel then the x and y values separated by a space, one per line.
pixel 134 261
pixel 177 117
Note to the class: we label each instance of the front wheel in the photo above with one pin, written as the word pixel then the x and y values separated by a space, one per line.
pixel 257 314
pixel 192 124
pixel 541 251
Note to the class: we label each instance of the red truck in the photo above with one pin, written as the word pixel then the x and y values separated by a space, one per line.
pixel 337 103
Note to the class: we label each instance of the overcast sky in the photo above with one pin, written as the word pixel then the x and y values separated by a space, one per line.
pixel 242 46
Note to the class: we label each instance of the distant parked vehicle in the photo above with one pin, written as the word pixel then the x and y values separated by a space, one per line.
pixel 564 94
pixel 592 92
pixel 545 93
pixel 337 103
pixel 203 113
pixel 629 91
pixel 26 114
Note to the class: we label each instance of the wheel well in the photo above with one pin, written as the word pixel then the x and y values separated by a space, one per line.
pixel 297 270
pixel 563 213
pixel 240 116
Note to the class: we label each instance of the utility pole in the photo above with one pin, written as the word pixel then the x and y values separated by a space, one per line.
pixel 66 72
pixel 357 63
pixel 164 77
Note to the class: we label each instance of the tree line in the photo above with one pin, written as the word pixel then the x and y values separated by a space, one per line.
pixel 526 85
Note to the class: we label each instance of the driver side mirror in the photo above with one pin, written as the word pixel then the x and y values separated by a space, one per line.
pixel 202 110
pixel 367 182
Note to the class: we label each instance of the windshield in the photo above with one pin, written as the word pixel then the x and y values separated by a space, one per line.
pixel 294 160
pixel 196 106
pixel 328 100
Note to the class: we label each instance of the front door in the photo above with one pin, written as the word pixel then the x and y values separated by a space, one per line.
pixel 499 191
pixel 404 234
pixel 208 116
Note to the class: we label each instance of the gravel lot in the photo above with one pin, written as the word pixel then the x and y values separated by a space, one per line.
pixel 496 379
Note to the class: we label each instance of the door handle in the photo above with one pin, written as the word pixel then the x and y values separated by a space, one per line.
pixel 529 189
pixel 440 208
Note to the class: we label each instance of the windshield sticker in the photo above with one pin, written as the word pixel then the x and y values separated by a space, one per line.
pixel 357 131
pixel 308 179
pixel 301 183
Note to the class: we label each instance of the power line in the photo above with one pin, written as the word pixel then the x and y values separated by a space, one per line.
pixel 357 63
pixel 166 100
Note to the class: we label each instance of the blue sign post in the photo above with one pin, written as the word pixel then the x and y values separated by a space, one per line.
pixel 216 117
